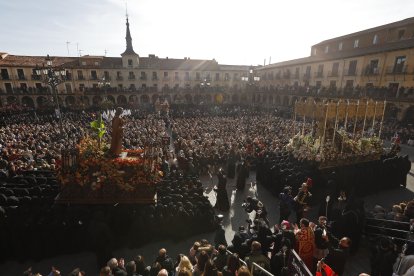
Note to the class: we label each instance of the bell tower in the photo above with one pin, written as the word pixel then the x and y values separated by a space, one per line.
pixel 130 59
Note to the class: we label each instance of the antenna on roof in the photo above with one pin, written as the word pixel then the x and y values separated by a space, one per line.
pixel 67 47
pixel 106 51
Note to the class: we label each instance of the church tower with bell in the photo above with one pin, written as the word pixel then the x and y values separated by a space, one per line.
pixel 130 59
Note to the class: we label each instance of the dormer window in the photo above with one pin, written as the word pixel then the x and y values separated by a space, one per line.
pixel 326 49
pixel 129 62
pixel 96 63
pixel 340 46
pixel 375 39
pixel 83 62
pixel 314 51
pixel 356 43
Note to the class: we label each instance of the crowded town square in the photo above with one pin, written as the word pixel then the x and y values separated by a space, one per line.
pixel 140 165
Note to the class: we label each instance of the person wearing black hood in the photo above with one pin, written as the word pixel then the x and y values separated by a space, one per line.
pixel 280 261
pixel 222 203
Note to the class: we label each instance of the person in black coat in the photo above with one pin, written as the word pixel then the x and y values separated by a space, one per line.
pixel 338 255
pixel 222 202
pixel 242 174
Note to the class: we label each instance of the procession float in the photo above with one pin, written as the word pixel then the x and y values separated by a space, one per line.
pixel 341 133
pixel 96 172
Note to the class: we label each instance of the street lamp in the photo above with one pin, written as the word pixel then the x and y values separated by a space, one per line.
pixel 105 84
pixel 52 76
pixel 205 83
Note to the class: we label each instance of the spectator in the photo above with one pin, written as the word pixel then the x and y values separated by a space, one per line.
pixel 257 257
pixel 165 261
pixel 220 260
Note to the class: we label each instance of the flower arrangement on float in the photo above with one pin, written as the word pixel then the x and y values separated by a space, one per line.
pixel 95 168
pixel 309 148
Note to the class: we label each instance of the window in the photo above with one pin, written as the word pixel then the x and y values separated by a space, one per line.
pixel 187 76
pixel 401 34
pixel 326 49
pixel 129 62
pixel 176 76
pixel 96 63
pixel 106 75
pixel 197 76
pixel 315 51
pixel 131 76
pixel 332 84
pixel 4 74
pixel 320 70
pixel 81 87
pixel 349 84
pixel 154 76
pixel 217 77
pixel 20 74
pixel 308 71
pixel 297 72
pixel 373 67
pixel 399 65
pixel 68 88
pixel 83 62
pixel 80 75
pixel 94 76
pixel 226 76
pixel 118 75
pixel 340 46
pixel 375 39
pixel 352 68
pixel 165 74
pixel 236 76
pixel 8 87
pixel 318 84
pixel 143 76
pixel 335 69
pixel 356 43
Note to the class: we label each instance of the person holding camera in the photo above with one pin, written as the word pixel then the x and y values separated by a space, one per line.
pixel 254 204
pixel 323 269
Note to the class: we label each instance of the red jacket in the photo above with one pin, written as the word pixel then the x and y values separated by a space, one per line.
pixel 328 271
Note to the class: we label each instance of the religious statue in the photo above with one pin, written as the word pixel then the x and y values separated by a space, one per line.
pixel 117 133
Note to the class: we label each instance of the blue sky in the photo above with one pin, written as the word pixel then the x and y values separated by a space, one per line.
pixel 231 31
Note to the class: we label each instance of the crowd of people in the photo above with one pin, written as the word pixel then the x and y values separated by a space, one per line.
pixel 227 142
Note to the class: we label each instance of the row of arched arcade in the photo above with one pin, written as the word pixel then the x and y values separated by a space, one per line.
pixel 40 101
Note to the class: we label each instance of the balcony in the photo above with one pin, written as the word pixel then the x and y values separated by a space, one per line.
pixel 94 78
pixel 397 70
pixel 371 71
pixel 131 77
pixel 306 76
pixel 107 78
pixel 295 76
pixel 119 78
pixel 36 77
pixel 21 77
pixel 286 76
pixel 5 77
pixel 319 74
pixel 350 72
pixel 333 74
pixel 143 78
pixel 187 79
pixel 155 78
pixel 177 78
pixel 166 79
pixel 81 78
